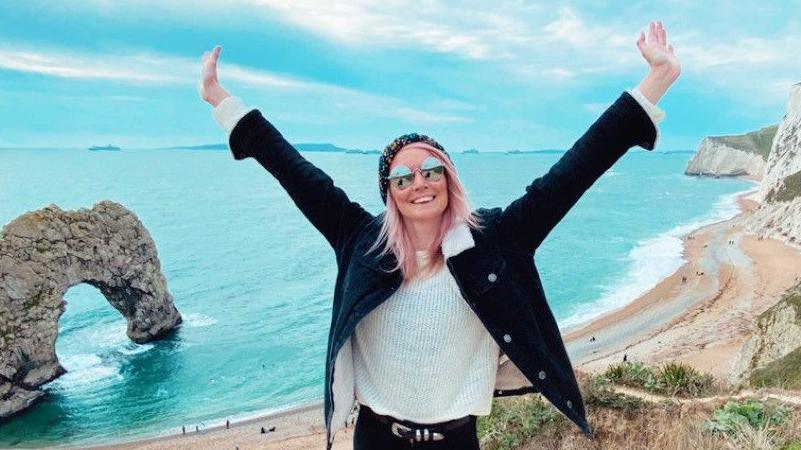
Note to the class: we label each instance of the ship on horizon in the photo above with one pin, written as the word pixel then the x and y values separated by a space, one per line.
pixel 107 147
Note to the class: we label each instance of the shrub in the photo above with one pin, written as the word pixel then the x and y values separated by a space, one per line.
pixel 634 374
pixel 598 393
pixel 734 415
pixel 515 420
pixel 682 380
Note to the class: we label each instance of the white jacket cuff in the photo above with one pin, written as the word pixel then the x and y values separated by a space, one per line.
pixel 654 112
pixel 229 112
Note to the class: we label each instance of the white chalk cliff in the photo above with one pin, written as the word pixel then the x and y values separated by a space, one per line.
pixel 779 215
pixel 743 155
pixel 773 352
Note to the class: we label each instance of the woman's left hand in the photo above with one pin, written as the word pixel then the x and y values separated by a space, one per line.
pixel 657 52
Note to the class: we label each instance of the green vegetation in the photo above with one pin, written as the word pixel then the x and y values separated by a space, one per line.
pixel 758 142
pixel 734 415
pixel 791 297
pixel 784 373
pixel 673 379
pixel 628 422
pixel 598 392
pixel 789 189
pixel 514 421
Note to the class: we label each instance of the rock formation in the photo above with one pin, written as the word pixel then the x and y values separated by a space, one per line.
pixel 733 155
pixel 771 355
pixel 774 351
pixel 779 216
pixel 42 254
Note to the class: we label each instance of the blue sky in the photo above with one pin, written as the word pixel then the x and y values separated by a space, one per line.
pixel 474 74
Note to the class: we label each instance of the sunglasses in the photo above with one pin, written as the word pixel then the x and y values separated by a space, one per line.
pixel 402 177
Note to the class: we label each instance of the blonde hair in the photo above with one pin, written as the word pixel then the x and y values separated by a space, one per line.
pixel 396 239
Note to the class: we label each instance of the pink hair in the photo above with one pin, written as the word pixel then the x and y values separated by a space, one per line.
pixel 397 240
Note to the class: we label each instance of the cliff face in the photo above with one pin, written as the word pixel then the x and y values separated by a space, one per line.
pixel 42 254
pixel 771 356
pixel 733 155
pixel 779 216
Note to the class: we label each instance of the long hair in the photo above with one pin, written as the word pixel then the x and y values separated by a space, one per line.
pixel 395 237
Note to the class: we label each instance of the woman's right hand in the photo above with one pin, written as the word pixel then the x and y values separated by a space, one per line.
pixel 210 89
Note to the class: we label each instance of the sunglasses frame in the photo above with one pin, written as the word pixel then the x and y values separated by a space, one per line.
pixel 431 165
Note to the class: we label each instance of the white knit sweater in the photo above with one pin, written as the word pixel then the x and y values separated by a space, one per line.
pixel 423 355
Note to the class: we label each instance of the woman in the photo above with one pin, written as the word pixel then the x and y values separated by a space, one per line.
pixel 438 309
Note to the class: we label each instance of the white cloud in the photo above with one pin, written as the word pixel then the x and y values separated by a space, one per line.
pixel 147 68
pixel 135 68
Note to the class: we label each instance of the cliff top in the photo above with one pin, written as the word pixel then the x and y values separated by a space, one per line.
pixel 758 142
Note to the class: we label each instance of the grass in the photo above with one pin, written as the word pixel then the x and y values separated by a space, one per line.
pixel 673 379
pixel 758 142
pixel 789 189
pixel 515 420
pixel 784 372
pixel 622 422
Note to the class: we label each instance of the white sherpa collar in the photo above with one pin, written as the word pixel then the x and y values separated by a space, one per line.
pixel 457 239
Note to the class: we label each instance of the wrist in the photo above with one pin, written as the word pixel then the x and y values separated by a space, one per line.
pixel 217 95
pixel 657 82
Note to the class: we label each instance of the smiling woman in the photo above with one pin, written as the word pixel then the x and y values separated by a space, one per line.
pixel 451 312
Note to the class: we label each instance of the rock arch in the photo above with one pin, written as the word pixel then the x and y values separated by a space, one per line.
pixel 42 254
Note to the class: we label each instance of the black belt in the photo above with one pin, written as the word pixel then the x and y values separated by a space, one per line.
pixel 418 432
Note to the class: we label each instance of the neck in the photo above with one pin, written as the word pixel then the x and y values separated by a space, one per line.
pixel 423 233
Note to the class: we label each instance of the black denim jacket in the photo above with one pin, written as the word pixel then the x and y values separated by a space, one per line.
pixel 497 275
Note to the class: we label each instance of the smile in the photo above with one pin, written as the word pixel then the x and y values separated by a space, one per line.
pixel 422 200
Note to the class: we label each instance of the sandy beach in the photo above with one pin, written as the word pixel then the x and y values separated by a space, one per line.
pixel 701 315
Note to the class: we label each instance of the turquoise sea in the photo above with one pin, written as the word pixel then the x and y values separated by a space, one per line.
pixel 253 280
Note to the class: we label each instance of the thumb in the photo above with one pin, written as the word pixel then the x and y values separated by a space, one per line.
pixel 641 42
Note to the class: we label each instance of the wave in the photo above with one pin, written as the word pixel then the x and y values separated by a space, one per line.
pixel 86 370
pixel 651 261
pixel 196 320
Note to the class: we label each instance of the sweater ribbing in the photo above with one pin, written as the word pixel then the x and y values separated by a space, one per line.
pixel 423 355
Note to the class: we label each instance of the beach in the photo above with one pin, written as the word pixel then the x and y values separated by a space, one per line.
pixel 700 315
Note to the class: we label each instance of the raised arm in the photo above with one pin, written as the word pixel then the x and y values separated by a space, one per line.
pixel 631 120
pixel 326 206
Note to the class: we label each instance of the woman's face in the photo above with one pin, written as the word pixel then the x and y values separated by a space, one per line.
pixel 420 189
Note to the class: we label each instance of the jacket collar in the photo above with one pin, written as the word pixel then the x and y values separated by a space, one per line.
pixel 457 239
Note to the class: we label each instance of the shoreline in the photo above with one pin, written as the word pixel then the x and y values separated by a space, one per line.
pixel 720 213
pixel 700 314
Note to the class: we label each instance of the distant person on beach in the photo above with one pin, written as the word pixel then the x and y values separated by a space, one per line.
pixel 438 308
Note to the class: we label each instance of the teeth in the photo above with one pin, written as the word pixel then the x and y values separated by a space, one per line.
pixel 423 200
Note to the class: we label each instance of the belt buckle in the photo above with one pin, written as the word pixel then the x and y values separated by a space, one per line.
pixel 423 435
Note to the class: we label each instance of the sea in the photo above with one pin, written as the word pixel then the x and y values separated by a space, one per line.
pixel 253 279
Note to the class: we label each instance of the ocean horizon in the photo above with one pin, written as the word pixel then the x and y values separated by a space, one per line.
pixel 254 280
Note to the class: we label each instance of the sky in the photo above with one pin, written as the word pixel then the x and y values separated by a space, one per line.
pixel 494 76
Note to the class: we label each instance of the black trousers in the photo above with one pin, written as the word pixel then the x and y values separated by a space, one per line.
pixel 370 434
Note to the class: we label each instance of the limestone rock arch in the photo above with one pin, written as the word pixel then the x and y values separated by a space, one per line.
pixel 45 252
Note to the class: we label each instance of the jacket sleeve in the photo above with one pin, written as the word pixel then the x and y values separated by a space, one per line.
pixel 530 218
pixel 326 206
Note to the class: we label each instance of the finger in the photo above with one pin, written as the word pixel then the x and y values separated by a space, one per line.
pixel 658 33
pixel 652 32
pixel 661 29
pixel 216 54
pixel 641 42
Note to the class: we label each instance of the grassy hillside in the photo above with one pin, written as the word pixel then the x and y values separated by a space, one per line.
pixel 789 190
pixel 639 420
pixel 758 142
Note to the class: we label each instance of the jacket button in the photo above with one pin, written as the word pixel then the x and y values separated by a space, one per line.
pixel 492 277
pixel 507 338
pixel 542 374
pixel 500 392
pixel 569 404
